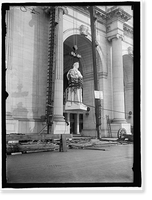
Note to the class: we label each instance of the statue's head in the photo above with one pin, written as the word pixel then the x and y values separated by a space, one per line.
pixel 76 65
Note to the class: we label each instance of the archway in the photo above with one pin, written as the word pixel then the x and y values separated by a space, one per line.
pixel 87 123
pixel 128 86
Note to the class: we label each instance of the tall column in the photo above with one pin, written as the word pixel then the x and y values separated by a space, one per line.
pixel 58 90
pixel 118 87
pixel 59 124
pixel 116 17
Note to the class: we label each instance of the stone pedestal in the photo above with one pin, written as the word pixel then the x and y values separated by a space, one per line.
pixel 72 106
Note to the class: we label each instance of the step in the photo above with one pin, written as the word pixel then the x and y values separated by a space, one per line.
pixel 78 137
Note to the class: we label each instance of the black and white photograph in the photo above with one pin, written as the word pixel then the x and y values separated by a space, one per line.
pixel 71 103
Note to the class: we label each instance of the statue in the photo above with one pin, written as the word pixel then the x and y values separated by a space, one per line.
pixel 75 79
pixel 74 90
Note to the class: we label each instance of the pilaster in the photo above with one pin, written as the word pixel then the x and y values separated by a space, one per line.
pixel 115 34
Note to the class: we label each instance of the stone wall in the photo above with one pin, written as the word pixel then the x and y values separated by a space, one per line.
pixel 27 37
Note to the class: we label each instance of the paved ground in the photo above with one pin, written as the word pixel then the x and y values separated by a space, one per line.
pixel 75 166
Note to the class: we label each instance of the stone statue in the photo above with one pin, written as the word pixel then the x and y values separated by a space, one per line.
pixel 74 90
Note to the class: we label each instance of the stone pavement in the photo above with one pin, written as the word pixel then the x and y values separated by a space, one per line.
pixel 75 166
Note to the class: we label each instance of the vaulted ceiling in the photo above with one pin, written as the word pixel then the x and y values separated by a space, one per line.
pixel 84 49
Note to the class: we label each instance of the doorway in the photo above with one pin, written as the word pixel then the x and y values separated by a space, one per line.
pixel 76 122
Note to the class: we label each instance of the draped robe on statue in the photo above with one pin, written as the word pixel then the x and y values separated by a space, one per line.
pixel 74 90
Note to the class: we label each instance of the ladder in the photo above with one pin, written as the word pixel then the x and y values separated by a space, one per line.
pixel 51 70
pixel 108 125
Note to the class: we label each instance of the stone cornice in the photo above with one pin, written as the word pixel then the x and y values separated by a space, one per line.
pixel 119 13
pixel 100 15
pixel 127 27
pixel 128 30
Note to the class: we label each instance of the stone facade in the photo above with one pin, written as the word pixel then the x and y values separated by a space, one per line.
pixel 27 62
pixel 26 70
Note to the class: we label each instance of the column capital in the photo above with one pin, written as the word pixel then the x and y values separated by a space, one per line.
pixel 48 8
pixel 64 8
pixel 117 36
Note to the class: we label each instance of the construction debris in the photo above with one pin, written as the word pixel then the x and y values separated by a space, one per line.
pixel 93 144
pixel 28 146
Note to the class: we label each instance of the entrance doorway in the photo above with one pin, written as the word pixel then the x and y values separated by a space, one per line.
pixel 76 122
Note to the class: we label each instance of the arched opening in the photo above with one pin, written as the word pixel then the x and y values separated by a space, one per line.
pixel 128 87
pixel 81 122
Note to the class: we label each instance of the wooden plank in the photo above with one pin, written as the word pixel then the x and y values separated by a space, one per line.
pixel 94 148
pixel 15 137
pixel 30 147
pixel 72 145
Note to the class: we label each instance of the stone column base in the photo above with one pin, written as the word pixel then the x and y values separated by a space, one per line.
pixel 60 128
pixel 115 127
